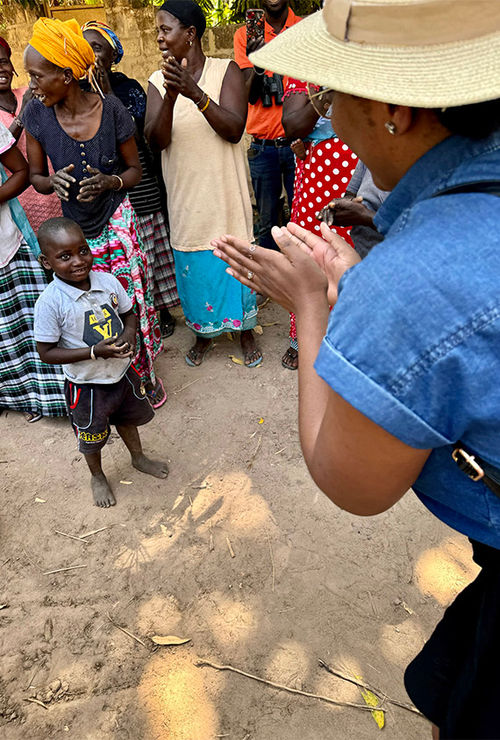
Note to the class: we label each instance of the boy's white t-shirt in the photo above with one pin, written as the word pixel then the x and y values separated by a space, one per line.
pixel 77 318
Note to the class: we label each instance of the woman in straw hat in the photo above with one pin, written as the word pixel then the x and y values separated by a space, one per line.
pixel 90 141
pixel 414 400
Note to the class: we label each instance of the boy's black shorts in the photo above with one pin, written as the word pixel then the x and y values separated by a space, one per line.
pixel 92 407
pixel 455 679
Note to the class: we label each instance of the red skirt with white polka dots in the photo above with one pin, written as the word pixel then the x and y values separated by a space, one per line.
pixel 319 178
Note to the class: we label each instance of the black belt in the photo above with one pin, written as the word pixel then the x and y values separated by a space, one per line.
pixel 278 143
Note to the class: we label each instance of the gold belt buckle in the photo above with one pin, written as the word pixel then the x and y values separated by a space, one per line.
pixel 468 464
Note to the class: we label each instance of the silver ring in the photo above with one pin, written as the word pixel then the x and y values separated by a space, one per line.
pixel 249 274
pixel 252 247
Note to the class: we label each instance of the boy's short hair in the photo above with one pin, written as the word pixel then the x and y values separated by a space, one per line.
pixel 48 230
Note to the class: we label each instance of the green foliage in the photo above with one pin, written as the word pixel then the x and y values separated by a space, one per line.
pixel 223 12
pixel 217 12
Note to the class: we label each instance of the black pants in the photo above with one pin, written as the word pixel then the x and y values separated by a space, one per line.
pixel 455 679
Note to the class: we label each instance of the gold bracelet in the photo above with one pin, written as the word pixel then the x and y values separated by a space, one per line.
pixel 120 181
pixel 206 105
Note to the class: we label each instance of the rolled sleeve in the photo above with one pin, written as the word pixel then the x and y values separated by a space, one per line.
pixel 373 400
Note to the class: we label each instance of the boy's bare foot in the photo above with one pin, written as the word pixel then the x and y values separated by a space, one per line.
pixel 103 495
pixel 151 467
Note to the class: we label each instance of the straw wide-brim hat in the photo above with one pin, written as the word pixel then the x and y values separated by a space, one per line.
pixel 422 53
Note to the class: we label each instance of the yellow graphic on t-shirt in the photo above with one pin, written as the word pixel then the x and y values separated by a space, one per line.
pixel 103 328
pixel 101 324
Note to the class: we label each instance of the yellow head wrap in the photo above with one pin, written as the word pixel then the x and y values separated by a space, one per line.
pixel 62 43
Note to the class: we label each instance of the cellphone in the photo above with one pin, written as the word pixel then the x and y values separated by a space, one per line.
pixel 254 21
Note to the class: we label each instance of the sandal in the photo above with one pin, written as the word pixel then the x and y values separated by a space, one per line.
pixel 158 395
pixel 290 359
pixel 249 354
pixel 167 327
pixel 195 354
pixel 31 417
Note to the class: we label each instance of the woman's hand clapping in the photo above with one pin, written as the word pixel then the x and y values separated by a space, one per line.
pixel 61 181
pixel 91 187
pixel 308 265
pixel 178 81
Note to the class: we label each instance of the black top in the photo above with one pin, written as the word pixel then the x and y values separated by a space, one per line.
pixel 149 195
pixel 102 152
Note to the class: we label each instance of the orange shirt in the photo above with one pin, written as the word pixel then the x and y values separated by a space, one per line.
pixel 264 123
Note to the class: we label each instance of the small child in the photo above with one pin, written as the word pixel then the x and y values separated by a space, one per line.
pixel 85 322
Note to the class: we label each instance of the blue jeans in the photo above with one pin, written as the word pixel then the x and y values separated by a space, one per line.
pixel 270 168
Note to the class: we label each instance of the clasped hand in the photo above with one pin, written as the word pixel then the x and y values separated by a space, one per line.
pixel 90 187
pixel 114 347
pixel 308 265
pixel 178 80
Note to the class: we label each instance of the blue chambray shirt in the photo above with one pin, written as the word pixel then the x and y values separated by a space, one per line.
pixel 414 340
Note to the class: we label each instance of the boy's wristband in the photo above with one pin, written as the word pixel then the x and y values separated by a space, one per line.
pixel 92 353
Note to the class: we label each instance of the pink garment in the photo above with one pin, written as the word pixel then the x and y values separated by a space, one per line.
pixel 37 207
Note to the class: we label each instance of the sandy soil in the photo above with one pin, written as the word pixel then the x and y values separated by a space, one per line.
pixel 306 582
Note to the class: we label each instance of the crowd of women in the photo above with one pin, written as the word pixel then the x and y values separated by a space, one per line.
pixel 90 134
pixel 82 127
pixel 411 401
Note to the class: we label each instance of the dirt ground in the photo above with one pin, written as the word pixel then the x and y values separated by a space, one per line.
pixel 307 581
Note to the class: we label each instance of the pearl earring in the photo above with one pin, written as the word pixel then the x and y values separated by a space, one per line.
pixel 391 127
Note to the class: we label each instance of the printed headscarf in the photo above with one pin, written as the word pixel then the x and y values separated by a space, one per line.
pixel 108 34
pixel 62 43
pixel 6 46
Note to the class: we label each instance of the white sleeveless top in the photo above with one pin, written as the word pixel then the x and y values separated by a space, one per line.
pixel 205 176
pixel 10 236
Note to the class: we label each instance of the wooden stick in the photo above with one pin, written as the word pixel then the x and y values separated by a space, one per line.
pixel 369 687
pixel 229 547
pixel 37 701
pixel 211 540
pixel 94 531
pixel 61 570
pixel 252 459
pixel 126 632
pixel 183 388
pixel 272 561
pixel 71 536
pixel 281 687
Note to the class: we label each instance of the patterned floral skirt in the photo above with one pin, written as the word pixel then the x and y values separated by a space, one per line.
pixel 118 250
pixel 213 302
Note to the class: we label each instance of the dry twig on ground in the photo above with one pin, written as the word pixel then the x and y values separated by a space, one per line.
pixel 281 687
pixel 369 687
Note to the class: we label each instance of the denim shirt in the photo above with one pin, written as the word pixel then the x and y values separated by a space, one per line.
pixel 414 340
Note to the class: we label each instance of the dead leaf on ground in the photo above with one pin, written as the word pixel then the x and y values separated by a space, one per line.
pixel 236 360
pixel 258 329
pixel 169 640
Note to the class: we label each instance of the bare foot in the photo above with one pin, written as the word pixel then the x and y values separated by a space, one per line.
pixel 251 353
pixel 102 493
pixel 151 467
